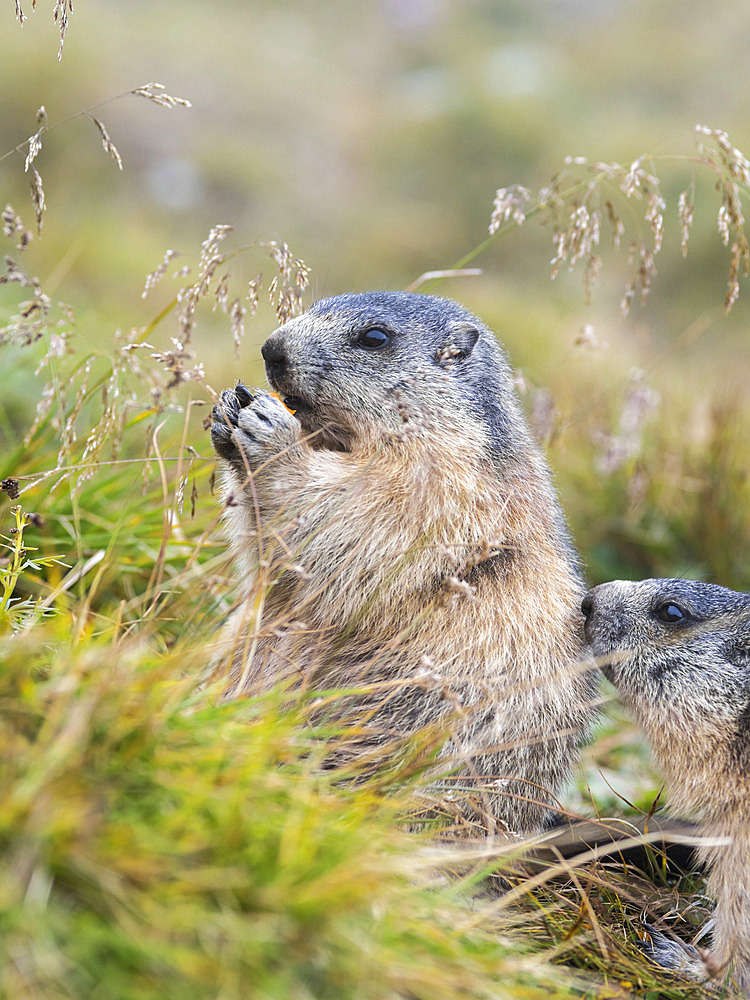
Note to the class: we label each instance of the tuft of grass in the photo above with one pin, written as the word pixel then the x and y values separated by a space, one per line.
pixel 160 842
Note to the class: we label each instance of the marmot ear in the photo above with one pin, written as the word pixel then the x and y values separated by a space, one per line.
pixel 458 343
pixel 737 651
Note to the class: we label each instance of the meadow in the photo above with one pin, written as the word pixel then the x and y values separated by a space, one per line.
pixel 158 840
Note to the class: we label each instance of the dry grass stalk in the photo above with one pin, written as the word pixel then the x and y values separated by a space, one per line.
pixel 732 169
pixel 509 206
pixel 212 280
pixel 109 146
pixel 253 289
pixel 176 364
pixel 31 320
pixel 155 276
pixel 35 146
pixel 286 288
pixel 584 194
pixel 189 296
pixel 237 313
pixel 14 229
pixel 685 213
pixel 156 92
pixel 61 12
pixel 38 199
pixel 105 429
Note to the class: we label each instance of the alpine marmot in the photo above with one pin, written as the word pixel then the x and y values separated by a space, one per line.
pixel 397 536
pixel 678 652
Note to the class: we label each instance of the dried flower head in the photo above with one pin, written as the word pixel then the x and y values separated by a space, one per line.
pixel 209 261
pixel 105 427
pixel 62 9
pixel 253 289
pixel 109 146
pixel 37 199
pixel 578 239
pixel 641 280
pixel 156 92
pixel 732 160
pixel 509 204
pixel 286 288
pixel 213 280
pixel 14 229
pixel 35 147
pixel 732 169
pixel 238 325
pixel 175 361
pixel 685 213
pixel 221 294
pixel 155 276
pixel 616 225
pixel 31 321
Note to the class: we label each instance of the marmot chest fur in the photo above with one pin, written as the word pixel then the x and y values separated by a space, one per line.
pixel 679 654
pixel 397 533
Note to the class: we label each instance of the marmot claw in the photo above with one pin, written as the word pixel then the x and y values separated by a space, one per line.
pixel 225 415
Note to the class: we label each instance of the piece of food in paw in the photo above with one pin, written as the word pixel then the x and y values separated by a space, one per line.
pixel 284 402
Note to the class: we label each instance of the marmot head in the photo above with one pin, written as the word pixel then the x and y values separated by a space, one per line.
pixel 358 369
pixel 678 652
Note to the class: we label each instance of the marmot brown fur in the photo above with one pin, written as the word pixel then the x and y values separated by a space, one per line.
pixel 398 533
pixel 679 654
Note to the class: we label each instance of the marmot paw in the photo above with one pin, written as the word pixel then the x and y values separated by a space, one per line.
pixel 671 954
pixel 248 429
pixel 225 415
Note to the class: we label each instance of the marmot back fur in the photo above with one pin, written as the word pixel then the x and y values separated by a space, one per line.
pixel 679 654
pixel 400 535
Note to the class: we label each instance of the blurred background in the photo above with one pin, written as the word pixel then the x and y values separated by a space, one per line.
pixel 372 137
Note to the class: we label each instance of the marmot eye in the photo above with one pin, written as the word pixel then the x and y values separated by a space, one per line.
pixel 374 340
pixel 671 613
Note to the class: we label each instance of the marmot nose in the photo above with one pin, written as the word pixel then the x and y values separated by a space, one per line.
pixel 587 604
pixel 274 356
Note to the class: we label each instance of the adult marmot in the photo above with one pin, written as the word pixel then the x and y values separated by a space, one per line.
pixel 397 533
pixel 679 654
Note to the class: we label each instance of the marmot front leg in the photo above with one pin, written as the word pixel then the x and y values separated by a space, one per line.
pixel 249 429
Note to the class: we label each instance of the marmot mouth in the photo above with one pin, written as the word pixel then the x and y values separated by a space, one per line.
pixel 295 403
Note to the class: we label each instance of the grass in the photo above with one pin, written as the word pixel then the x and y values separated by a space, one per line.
pixel 158 841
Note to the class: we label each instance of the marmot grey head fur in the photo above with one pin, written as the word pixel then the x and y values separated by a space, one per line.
pixel 406 357
pixel 678 653
pixel 400 534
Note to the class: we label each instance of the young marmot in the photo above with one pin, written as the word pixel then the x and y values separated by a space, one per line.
pixel 679 654
pixel 398 536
